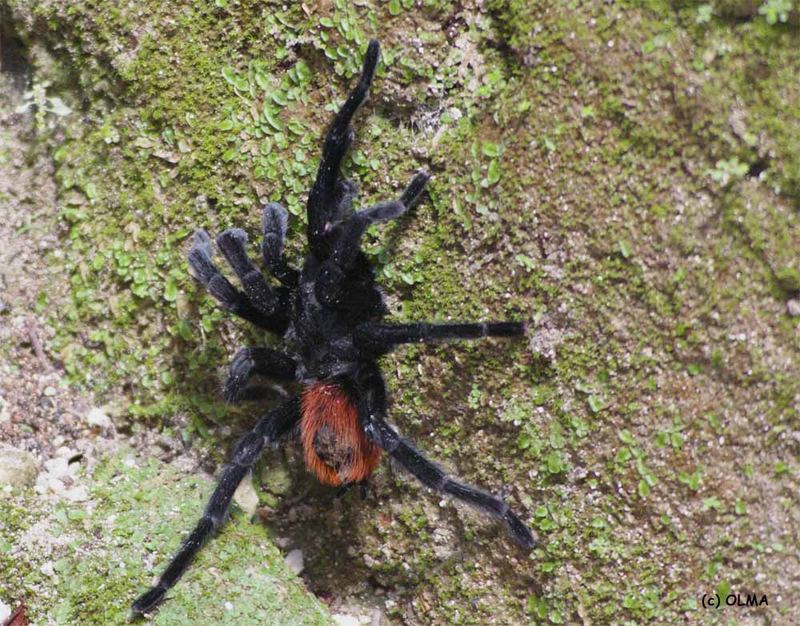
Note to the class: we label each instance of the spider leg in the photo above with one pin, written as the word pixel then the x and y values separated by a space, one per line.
pixel 333 287
pixel 232 244
pixel 268 430
pixel 275 222
pixel 347 243
pixel 380 338
pixel 430 475
pixel 363 490
pixel 249 362
pixel 337 141
pixel 225 293
pixel 346 191
pixel 373 408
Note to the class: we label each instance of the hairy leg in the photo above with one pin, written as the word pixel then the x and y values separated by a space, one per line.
pixel 249 362
pixel 226 294
pixel 348 240
pixel 321 198
pixel 345 194
pixel 379 338
pixel 275 222
pixel 430 475
pixel 268 430
pixel 372 408
pixel 232 243
pixel 334 287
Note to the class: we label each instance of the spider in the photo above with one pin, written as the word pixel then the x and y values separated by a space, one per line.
pixel 330 311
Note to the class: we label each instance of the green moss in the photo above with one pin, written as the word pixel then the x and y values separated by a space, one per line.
pixel 98 554
pixel 623 175
pixel 15 521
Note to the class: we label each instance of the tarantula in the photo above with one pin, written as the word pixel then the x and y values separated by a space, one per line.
pixel 330 311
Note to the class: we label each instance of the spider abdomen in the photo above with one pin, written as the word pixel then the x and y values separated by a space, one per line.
pixel 335 448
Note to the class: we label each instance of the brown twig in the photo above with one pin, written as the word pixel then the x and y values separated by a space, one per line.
pixel 33 337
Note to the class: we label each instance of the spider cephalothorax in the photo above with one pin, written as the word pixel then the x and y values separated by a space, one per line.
pixel 329 313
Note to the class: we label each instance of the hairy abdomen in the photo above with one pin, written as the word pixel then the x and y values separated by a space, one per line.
pixel 334 446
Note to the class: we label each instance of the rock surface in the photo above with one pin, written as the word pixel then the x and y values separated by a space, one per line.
pixel 18 468
pixel 624 175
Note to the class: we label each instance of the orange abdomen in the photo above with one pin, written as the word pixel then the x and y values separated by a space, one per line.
pixel 334 446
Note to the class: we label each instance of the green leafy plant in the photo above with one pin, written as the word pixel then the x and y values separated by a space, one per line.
pixel 776 10
pixel 704 13
pixel 728 170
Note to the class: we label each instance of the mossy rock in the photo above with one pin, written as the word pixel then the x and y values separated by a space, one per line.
pixel 85 562
pixel 624 174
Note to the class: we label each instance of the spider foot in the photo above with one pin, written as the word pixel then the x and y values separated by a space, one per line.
pixel 249 362
pixel 241 370
pixel 519 531
pixel 274 225
pixel 146 602
pixel 275 221
pixel 232 244
pixel 415 188
pixel 200 257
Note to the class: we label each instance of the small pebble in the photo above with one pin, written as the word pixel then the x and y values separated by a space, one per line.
pixel 246 496
pixel 98 418
pixel 53 485
pixel 294 561
pixel 77 494
pixel 57 467
pixel 793 307
pixel 17 467
pixel 64 451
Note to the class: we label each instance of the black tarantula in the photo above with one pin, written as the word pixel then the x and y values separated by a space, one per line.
pixel 330 311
